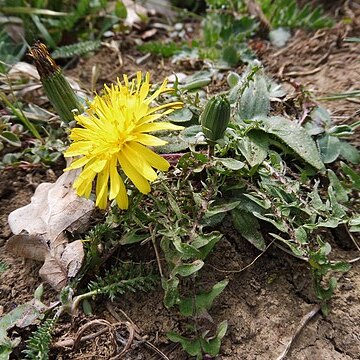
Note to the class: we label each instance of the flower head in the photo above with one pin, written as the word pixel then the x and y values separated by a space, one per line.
pixel 114 134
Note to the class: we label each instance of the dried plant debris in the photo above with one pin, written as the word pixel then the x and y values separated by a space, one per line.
pixel 39 229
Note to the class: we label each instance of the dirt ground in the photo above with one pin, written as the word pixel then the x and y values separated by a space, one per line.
pixel 265 303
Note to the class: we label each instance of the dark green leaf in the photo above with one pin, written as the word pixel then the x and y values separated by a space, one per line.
pixel 132 237
pixel 197 80
pixel 203 301
pixel 230 55
pixel 188 269
pixel 171 296
pixel 248 226
pixel 217 209
pixel 10 138
pixel 206 242
pixel 192 347
pixel 353 175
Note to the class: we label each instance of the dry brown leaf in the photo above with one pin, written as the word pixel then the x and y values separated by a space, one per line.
pixel 135 12
pixel 54 272
pixel 39 229
pixel 28 246
pixel 73 264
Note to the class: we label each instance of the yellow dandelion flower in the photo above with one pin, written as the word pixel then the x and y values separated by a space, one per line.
pixel 114 134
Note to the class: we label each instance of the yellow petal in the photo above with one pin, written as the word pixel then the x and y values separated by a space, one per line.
pixel 79 148
pixel 174 105
pixel 78 163
pixel 136 178
pixel 149 140
pixel 102 188
pixel 83 184
pixel 155 160
pixel 158 126
pixel 115 180
pixel 122 198
pixel 139 162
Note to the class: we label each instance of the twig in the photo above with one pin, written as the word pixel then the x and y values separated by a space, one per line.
pixel 109 326
pixel 245 267
pixel 70 341
pixel 136 335
pixel 325 57
pixel 304 73
pixel 302 324
pixel 116 316
pixel 352 238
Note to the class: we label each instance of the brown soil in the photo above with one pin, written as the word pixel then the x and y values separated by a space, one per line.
pixel 264 303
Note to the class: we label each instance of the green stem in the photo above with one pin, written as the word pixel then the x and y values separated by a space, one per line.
pixel 20 116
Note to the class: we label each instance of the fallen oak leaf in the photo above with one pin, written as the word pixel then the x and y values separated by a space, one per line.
pixel 39 229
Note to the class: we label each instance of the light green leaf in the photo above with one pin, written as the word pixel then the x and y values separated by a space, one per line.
pixel 329 223
pixel 301 235
pixel 233 79
pixel 354 223
pixel 349 152
pixel 120 9
pixel 295 137
pixel 338 210
pixel 231 164
pixel 316 201
pixel 196 81
pixel 181 116
pixel 321 116
pixel 212 346
pixel 187 251
pixel 248 226
pixel 254 147
pixel 340 192
pixel 297 251
pixel 329 148
pixel 255 99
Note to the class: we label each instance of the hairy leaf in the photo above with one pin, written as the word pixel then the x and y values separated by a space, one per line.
pixel 295 137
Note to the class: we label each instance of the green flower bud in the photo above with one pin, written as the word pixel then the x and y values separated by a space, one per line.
pixel 57 88
pixel 215 118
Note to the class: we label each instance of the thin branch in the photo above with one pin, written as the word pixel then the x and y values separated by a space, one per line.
pixel 302 324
